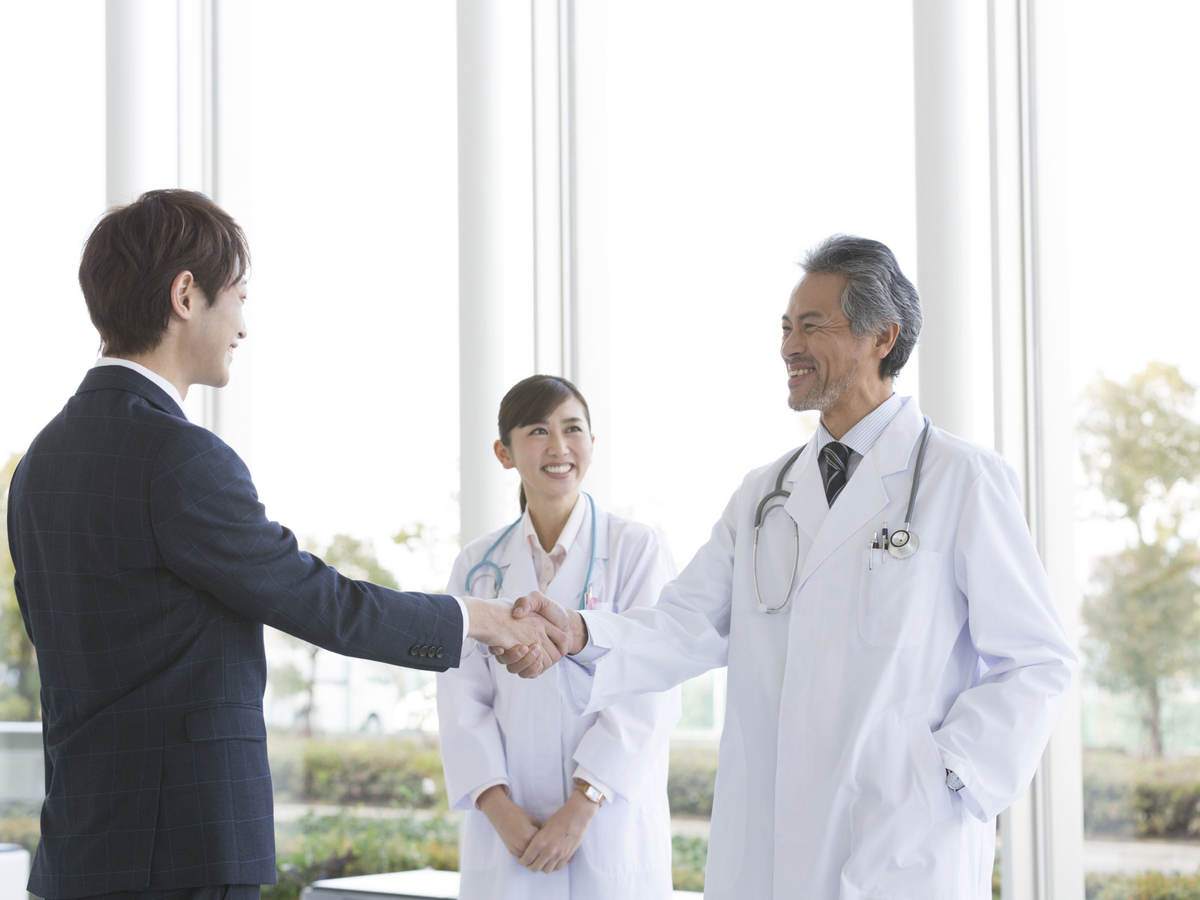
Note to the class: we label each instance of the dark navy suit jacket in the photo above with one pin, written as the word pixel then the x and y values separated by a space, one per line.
pixel 146 568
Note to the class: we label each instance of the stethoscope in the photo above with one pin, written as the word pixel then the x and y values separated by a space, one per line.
pixel 498 576
pixel 901 543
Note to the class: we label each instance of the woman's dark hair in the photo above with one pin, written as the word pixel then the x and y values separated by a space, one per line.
pixel 532 400
pixel 134 253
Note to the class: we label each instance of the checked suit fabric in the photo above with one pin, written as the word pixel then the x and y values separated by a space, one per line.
pixel 146 568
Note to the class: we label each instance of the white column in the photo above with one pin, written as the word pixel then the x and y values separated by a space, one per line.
pixel 553 180
pixel 160 96
pixel 592 357
pixel 1019 831
pixel 197 150
pixel 1053 440
pixel 953 224
pixel 142 97
pixel 496 243
pixel 986 254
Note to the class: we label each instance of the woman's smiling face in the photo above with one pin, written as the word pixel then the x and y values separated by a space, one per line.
pixel 551 456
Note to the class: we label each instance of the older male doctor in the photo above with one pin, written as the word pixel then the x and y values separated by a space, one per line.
pixel 895 661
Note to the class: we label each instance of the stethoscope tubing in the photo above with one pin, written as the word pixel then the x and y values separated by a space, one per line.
pixel 760 516
pixel 498 577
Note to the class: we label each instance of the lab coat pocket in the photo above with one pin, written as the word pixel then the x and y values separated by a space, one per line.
pixel 905 840
pixel 896 597
pixel 932 772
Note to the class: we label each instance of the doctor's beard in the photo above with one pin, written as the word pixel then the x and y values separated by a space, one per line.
pixel 823 396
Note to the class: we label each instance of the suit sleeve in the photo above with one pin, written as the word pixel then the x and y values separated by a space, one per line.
pixel 472 749
pixel 213 533
pixel 996 730
pixel 623 744
pixel 685 634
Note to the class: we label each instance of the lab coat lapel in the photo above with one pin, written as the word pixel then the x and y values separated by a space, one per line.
pixel 868 492
pixel 517 564
pixel 568 583
pixel 807 504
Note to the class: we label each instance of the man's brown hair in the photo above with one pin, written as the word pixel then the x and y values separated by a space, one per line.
pixel 134 253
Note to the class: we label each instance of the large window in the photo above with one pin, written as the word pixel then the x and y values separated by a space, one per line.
pixel 720 164
pixel 1130 193
pixel 709 147
pixel 51 191
pixel 338 154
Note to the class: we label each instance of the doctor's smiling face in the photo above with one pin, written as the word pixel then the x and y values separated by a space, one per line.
pixel 829 368
pixel 552 455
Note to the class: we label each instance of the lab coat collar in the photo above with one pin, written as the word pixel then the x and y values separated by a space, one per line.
pixel 868 492
pixel 570 530
pixel 516 560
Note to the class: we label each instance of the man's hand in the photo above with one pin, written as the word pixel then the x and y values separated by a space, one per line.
pixel 556 841
pixel 514 825
pixel 536 640
pixel 537 605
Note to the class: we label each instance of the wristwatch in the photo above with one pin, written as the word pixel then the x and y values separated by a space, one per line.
pixel 590 791
pixel 953 781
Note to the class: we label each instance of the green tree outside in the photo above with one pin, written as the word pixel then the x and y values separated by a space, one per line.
pixel 1141 449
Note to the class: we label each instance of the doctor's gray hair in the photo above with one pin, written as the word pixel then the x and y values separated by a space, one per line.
pixel 876 294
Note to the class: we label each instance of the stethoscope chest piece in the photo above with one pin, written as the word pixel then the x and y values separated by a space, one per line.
pixel 902 543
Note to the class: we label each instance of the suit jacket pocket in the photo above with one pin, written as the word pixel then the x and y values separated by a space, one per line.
pixel 225 723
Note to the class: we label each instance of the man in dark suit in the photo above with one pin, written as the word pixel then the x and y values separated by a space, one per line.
pixel 145 570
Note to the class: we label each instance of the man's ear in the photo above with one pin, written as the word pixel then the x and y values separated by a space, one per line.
pixel 503 454
pixel 886 340
pixel 183 294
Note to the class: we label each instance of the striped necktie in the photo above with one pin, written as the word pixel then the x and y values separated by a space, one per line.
pixel 835 456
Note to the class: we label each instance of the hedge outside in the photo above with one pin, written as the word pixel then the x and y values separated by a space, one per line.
pixel 1128 797
pixel 407 772
pixel 1123 796
pixel 313 848
pixel 1145 886
pixel 372 772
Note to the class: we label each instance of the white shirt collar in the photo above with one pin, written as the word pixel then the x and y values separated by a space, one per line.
pixel 866 431
pixel 170 389
pixel 566 537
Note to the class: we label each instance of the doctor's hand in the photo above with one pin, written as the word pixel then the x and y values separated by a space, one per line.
pixel 514 825
pixel 556 841
pixel 537 641
pixel 537 605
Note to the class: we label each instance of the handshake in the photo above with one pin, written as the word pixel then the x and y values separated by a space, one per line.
pixel 529 637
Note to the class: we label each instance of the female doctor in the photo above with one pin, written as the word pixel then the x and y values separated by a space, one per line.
pixel 560 806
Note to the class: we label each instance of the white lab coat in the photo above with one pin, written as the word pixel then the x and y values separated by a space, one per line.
pixel 497 726
pixel 844 711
